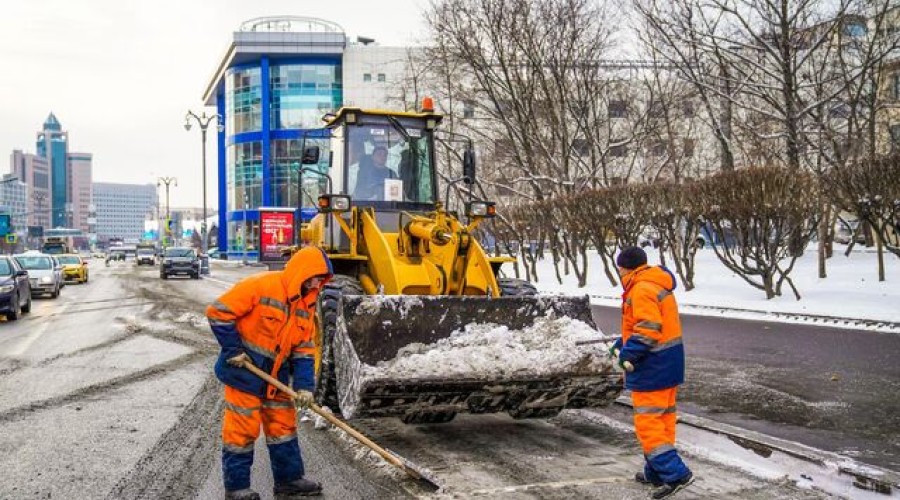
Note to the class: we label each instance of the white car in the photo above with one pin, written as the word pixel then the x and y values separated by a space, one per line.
pixel 44 273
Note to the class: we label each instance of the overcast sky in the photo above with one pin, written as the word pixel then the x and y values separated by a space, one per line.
pixel 121 74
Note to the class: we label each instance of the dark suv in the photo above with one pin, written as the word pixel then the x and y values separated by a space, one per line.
pixel 179 260
pixel 15 290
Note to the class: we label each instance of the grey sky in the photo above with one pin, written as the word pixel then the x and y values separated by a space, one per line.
pixel 120 74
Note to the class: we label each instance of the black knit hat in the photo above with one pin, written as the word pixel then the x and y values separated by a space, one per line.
pixel 631 258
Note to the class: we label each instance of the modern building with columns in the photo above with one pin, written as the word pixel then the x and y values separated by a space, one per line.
pixel 277 79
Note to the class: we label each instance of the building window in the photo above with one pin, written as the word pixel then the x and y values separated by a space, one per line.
pixel 659 148
pixel 687 109
pixel 581 147
pixel 243 100
pixel 895 137
pixel 618 109
pixel 367 77
pixel 687 149
pixel 468 109
pixel 896 86
pixel 302 93
pixel 381 77
pixel 618 150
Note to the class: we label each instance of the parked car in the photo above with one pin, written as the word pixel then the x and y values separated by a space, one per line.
pixel 74 268
pixel 216 254
pixel 44 274
pixel 145 256
pixel 15 290
pixel 844 230
pixel 179 261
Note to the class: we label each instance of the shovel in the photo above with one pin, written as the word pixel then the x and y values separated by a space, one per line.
pixel 394 460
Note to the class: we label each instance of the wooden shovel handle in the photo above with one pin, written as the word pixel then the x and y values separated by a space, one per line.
pixel 390 457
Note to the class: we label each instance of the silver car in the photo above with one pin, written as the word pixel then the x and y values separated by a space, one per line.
pixel 44 272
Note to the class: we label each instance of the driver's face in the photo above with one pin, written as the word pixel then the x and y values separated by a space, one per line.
pixel 379 156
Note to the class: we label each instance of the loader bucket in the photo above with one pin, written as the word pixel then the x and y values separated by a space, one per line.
pixel 424 359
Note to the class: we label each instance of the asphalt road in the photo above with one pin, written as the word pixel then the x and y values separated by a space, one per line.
pixel 834 389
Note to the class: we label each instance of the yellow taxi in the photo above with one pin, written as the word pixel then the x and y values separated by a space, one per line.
pixel 74 267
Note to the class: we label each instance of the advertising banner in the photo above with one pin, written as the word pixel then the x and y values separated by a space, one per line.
pixel 276 231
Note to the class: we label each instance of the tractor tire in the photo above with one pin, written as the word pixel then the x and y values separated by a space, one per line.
pixel 513 287
pixel 327 317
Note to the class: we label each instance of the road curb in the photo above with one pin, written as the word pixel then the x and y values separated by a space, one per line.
pixel 775 316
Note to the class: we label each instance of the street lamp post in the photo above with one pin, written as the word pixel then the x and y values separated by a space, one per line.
pixel 203 121
pixel 167 181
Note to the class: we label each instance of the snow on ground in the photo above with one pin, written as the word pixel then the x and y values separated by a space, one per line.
pixel 549 346
pixel 851 290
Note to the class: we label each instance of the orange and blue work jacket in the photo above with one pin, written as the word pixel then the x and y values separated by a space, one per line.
pixel 266 317
pixel 651 330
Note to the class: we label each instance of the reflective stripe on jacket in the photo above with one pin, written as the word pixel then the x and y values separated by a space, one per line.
pixel 651 330
pixel 266 317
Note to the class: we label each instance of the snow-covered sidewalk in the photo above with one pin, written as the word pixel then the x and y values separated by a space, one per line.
pixel 851 292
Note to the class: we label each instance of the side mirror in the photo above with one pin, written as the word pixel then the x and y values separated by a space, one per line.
pixel 310 155
pixel 21 272
pixel 469 166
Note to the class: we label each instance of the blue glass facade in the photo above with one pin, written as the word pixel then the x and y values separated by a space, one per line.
pixel 52 144
pixel 271 109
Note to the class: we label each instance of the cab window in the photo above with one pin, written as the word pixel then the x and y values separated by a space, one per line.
pixel 387 164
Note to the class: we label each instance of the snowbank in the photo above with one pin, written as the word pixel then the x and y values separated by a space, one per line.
pixel 851 290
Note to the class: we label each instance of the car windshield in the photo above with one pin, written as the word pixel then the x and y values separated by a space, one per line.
pixel 35 263
pixel 69 259
pixel 179 252
pixel 5 268
pixel 145 251
pixel 385 165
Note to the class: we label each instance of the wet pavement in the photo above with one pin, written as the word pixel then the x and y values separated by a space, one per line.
pixel 830 388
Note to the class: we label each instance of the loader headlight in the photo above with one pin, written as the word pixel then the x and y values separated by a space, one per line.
pixel 334 203
pixel 481 209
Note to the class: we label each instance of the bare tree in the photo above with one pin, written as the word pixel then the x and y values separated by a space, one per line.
pixel 762 217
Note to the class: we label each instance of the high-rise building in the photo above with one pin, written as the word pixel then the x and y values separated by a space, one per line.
pixel 13 200
pixel 79 173
pixel 122 208
pixel 33 171
pixel 53 145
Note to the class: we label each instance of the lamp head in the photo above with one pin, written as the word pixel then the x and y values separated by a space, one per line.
pixel 220 127
pixel 187 125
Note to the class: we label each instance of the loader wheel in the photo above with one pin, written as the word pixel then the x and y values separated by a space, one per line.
pixel 512 287
pixel 329 298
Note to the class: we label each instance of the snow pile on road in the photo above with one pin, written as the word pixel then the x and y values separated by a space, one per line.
pixel 483 350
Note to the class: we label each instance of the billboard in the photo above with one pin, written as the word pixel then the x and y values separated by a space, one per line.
pixel 5 224
pixel 276 231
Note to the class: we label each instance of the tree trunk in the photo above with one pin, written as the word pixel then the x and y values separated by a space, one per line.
pixel 823 237
pixel 880 249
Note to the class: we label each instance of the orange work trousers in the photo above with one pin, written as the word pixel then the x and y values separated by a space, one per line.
pixel 244 414
pixel 654 423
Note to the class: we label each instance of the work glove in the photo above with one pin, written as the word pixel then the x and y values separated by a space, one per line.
pixel 303 399
pixel 239 360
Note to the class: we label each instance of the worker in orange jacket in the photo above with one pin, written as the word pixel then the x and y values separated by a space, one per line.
pixel 651 342
pixel 269 320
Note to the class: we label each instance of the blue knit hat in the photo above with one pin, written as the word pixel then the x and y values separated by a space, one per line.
pixel 631 258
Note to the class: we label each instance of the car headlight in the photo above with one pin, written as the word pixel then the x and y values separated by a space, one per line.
pixel 167 261
pixel 46 279
pixel 6 288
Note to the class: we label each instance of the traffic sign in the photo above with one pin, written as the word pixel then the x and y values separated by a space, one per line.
pixel 11 238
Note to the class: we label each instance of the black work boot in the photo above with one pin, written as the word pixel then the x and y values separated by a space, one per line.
pixel 244 494
pixel 641 478
pixel 669 489
pixel 298 488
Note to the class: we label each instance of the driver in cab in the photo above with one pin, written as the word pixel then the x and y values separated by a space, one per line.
pixel 371 176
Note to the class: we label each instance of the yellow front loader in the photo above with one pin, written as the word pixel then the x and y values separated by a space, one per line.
pixel 412 280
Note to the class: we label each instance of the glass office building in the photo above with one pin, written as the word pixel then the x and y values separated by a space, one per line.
pixel 277 80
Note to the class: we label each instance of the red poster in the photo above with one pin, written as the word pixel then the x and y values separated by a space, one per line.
pixel 276 233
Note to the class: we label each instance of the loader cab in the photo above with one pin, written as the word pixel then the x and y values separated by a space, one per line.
pixel 385 160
